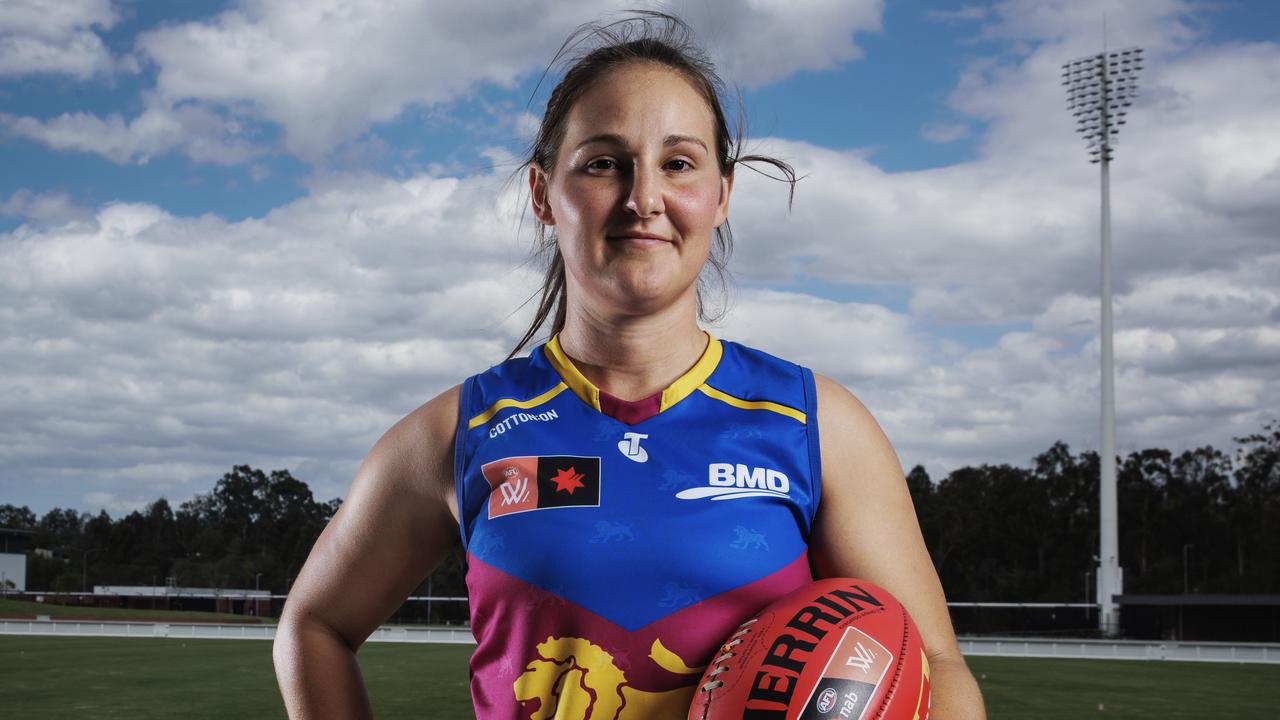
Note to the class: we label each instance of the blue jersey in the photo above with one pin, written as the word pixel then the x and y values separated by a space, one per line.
pixel 606 560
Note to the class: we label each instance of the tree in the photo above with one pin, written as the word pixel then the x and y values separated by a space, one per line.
pixel 17 518
pixel 61 527
pixel 1254 511
pixel 251 523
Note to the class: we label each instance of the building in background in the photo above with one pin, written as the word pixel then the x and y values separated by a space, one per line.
pixel 171 597
pixel 13 559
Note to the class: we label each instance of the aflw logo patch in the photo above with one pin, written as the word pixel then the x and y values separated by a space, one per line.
pixel 850 679
pixel 726 481
pixel 521 484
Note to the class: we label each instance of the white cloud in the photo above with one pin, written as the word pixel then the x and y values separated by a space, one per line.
pixel 326 72
pixel 55 37
pixel 146 348
pixel 98 501
pixel 889 350
pixel 155 351
pixel 527 125
pixel 1000 238
pixel 759 43
pixel 1012 238
pixel 200 134
pixel 49 209
pixel 1156 24
pixel 940 232
pixel 143 348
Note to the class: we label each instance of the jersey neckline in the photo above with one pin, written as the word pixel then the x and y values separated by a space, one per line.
pixel 678 390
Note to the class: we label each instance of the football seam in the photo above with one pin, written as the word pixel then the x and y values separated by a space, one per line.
pixel 737 638
pixel 897 667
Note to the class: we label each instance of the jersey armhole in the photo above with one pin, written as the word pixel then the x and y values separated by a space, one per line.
pixel 811 432
pixel 460 458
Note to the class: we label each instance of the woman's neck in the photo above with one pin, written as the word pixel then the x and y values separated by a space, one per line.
pixel 631 357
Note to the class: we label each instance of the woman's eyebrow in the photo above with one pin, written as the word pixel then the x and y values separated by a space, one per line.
pixel 610 138
pixel 677 139
pixel 615 139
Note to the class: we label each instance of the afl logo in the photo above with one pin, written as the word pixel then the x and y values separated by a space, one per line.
pixel 827 700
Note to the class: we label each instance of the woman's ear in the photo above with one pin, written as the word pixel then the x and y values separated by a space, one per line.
pixel 538 182
pixel 726 187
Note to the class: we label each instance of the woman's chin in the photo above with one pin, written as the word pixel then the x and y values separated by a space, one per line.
pixel 647 298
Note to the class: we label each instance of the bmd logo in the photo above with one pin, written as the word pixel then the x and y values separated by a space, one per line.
pixel 727 481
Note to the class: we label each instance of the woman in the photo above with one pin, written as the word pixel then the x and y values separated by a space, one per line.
pixel 635 488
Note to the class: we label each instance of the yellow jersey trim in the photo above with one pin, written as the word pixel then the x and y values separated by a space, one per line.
pixel 684 385
pixel 504 403
pixel 682 388
pixel 576 381
pixel 753 404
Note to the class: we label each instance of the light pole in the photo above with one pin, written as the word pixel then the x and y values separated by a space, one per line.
pixel 84 566
pixel 1099 89
pixel 1186 587
pixel 1088 578
pixel 256 579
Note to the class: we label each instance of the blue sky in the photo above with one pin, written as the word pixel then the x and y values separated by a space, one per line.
pixel 230 230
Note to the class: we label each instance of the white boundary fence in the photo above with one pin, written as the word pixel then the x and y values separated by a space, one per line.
pixel 211 631
pixel 975 646
pixel 1121 649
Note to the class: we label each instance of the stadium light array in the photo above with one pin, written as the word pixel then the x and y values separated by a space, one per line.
pixel 1100 90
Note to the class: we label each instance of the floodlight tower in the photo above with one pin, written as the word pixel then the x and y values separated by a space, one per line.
pixel 1100 89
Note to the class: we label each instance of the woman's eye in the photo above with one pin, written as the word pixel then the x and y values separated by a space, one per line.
pixel 602 164
pixel 679 165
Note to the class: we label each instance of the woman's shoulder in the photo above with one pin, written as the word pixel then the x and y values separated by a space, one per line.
pixel 751 367
pixel 750 372
pixel 753 356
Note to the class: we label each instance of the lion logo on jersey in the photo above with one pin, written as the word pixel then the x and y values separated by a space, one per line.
pixel 678 595
pixel 609 531
pixel 748 539
pixel 575 679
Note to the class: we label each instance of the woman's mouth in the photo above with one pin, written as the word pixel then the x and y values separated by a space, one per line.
pixel 638 238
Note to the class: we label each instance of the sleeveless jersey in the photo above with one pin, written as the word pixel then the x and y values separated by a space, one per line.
pixel 606 561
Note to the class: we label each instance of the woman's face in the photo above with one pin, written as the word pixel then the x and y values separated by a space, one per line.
pixel 636 192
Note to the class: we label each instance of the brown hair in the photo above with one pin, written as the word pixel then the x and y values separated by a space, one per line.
pixel 644 37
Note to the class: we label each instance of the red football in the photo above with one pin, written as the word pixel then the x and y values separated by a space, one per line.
pixel 839 649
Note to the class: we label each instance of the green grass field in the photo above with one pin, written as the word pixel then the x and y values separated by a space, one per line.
pixel 23 608
pixel 57 677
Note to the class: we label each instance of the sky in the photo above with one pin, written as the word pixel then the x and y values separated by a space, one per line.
pixel 261 231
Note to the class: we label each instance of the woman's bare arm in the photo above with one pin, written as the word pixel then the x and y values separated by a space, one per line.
pixel 396 524
pixel 867 528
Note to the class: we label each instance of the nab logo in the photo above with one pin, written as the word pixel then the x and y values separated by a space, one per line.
pixel 726 481
pixel 630 447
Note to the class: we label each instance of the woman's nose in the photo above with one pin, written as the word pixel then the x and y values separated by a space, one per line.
pixel 645 198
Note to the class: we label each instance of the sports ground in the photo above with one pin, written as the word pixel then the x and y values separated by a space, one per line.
pixel 72 677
